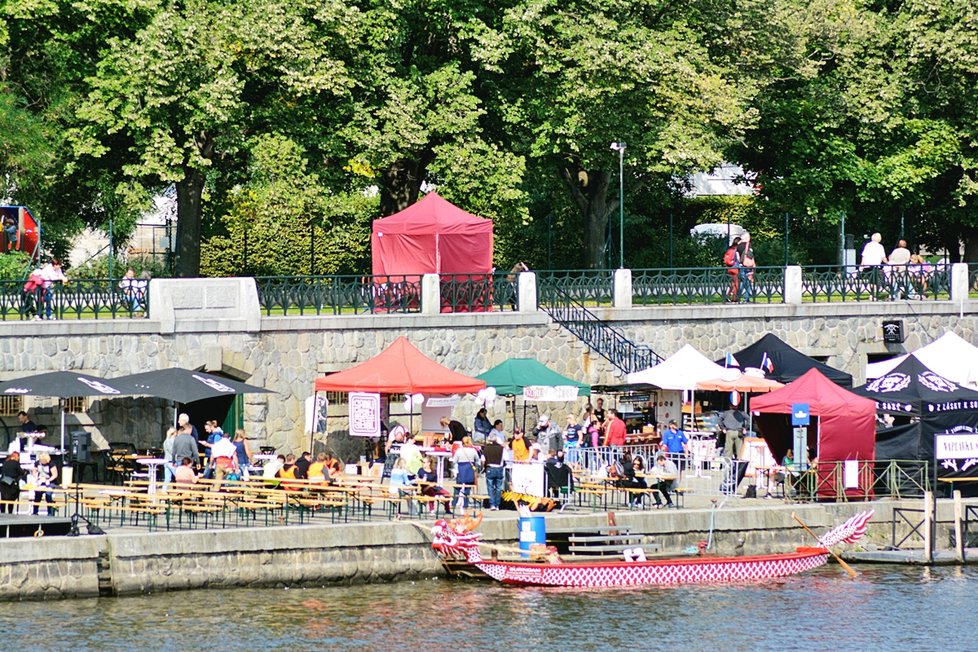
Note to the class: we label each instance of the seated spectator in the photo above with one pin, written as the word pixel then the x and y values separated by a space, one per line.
pixel 667 477
pixel 428 481
pixel 318 471
pixel 399 479
pixel 634 480
pixel 184 476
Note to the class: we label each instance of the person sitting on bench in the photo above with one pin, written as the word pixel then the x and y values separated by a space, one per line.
pixel 667 477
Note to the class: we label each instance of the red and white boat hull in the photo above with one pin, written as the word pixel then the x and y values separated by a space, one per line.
pixel 699 570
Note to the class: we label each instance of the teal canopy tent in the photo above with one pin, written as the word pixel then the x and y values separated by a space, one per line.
pixel 512 377
pixel 533 381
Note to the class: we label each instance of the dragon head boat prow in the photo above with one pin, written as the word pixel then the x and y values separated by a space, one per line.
pixel 456 539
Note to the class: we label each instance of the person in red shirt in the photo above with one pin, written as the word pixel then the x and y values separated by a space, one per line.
pixel 614 429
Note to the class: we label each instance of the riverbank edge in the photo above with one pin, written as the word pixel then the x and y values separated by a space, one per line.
pixel 129 563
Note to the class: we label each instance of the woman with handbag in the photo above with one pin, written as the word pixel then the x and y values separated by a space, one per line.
pixel 10 477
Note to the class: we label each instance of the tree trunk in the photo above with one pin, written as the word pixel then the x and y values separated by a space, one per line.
pixel 400 184
pixel 589 190
pixel 189 191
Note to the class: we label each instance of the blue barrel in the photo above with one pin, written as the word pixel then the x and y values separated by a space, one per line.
pixel 532 529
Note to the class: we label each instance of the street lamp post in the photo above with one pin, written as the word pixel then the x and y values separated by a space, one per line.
pixel 620 148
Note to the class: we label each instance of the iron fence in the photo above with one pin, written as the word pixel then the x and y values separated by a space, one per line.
pixel 338 295
pixel 478 292
pixel 879 283
pixel 75 299
pixel 589 287
pixel 692 285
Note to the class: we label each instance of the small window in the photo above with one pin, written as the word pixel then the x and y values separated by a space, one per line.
pixel 336 398
pixel 11 405
pixel 75 405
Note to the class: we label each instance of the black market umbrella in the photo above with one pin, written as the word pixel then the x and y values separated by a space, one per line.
pixel 63 384
pixel 184 385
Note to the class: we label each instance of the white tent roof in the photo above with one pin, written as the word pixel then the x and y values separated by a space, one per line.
pixel 949 356
pixel 682 370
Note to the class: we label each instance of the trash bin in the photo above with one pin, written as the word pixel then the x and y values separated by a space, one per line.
pixel 532 530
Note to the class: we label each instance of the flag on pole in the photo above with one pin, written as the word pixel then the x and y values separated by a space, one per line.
pixel 731 361
pixel 766 363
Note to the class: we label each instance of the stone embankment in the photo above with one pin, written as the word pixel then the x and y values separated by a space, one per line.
pixel 126 563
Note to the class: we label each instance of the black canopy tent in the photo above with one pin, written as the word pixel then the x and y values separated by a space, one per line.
pixel 786 363
pixel 184 386
pixel 922 404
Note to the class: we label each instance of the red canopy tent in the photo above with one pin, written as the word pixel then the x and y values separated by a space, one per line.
pixel 843 427
pixel 432 236
pixel 400 369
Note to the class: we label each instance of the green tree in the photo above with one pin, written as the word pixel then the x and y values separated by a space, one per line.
pixel 577 76
pixel 178 96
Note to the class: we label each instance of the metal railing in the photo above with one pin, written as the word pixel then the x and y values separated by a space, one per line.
pixel 478 292
pixel 606 340
pixel 692 285
pixel 887 282
pixel 75 299
pixel 339 295
pixel 589 287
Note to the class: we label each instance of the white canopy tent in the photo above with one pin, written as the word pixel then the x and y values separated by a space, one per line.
pixel 680 371
pixel 949 356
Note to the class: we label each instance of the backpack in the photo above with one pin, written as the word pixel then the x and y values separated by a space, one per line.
pixel 730 256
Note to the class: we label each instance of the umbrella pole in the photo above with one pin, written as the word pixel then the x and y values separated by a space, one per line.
pixel 315 419
pixel 61 408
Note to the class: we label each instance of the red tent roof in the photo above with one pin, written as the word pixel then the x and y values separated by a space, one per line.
pixel 432 214
pixel 846 421
pixel 400 369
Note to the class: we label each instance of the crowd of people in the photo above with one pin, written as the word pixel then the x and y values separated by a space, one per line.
pixel 488 449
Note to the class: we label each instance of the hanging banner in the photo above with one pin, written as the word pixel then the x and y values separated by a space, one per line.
pixel 316 408
pixel 547 394
pixel 364 414
pixel 956 452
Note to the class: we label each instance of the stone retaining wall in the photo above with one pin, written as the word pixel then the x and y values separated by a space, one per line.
pixel 134 563
pixel 287 354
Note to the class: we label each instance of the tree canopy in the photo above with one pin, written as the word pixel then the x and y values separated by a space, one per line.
pixel 285 126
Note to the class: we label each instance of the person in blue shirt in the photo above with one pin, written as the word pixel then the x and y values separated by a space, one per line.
pixel 675 439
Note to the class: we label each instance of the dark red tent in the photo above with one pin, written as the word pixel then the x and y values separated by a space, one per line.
pixel 432 236
pixel 843 426
pixel 399 369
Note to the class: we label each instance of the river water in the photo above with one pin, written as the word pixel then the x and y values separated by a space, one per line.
pixel 885 608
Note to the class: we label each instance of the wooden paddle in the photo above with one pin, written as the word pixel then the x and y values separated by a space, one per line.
pixel 846 566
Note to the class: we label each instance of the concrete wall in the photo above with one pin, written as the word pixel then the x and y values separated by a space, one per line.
pixel 216 325
pixel 133 563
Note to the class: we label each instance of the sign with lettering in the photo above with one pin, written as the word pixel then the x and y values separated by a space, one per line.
pixel 549 394
pixel 956 453
pixel 956 447
pixel 364 414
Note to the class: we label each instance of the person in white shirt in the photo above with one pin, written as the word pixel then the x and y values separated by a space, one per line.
pixel 50 274
pixel 873 259
pixel 225 457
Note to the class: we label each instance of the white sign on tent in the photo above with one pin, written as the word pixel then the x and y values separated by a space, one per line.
pixel 549 394
pixel 364 414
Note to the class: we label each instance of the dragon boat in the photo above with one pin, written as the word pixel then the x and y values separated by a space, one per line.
pixel 457 540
